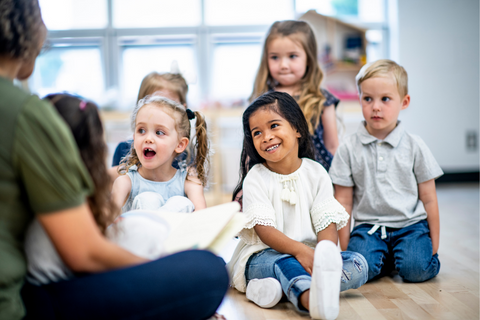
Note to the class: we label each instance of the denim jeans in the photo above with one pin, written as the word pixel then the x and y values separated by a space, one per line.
pixel 185 285
pixel 295 279
pixel 407 250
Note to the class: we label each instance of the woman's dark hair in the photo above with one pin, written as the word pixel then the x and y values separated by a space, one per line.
pixel 284 105
pixel 20 24
pixel 84 121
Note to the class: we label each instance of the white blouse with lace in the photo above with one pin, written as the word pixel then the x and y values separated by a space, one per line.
pixel 299 204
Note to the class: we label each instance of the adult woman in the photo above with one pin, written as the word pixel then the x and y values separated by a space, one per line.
pixel 42 175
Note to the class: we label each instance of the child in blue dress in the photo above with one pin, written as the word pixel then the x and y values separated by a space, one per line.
pixel 161 132
pixel 168 85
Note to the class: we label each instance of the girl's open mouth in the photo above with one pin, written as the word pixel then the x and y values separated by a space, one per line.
pixel 149 153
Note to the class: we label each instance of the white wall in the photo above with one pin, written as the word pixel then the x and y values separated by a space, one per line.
pixel 437 41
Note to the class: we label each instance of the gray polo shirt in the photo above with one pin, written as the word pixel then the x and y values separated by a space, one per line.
pixel 385 176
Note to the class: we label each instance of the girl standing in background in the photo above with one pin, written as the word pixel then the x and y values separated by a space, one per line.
pixel 289 64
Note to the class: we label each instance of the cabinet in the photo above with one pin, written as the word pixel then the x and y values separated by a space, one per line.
pixel 341 52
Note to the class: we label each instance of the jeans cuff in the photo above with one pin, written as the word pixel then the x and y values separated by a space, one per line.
pixel 297 286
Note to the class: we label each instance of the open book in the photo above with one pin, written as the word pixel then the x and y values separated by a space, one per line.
pixel 152 234
pixel 209 228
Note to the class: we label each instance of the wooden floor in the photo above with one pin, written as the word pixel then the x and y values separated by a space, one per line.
pixel 453 294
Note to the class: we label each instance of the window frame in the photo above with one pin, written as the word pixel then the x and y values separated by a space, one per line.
pixel 206 38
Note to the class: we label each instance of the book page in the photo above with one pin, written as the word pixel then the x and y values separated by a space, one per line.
pixel 234 226
pixel 199 229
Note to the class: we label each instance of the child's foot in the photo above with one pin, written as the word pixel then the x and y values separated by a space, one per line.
pixel 264 292
pixel 326 276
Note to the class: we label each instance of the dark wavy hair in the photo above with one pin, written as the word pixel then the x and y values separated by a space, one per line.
pixel 20 24
pixel 84 121
pixel 284 105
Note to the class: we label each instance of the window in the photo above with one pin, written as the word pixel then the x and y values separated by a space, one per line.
pixel 74 14
pixel 102 49
pixel 154 13
pixel 235 65
pixel 75 69
pixel 350 10
pixel 139 60
pixel 247 12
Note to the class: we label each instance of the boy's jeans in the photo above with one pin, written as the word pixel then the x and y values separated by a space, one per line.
pixel 293 277
pixel 407 250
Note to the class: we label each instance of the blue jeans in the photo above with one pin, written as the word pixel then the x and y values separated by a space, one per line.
pixel 185 285
pixel 407 250
pixel 295 279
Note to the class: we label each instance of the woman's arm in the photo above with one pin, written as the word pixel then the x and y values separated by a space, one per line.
pixel 121 190
pixel 344 195
pixel 330 133
pixel 428 195
pixel 81 245
pixel 283 244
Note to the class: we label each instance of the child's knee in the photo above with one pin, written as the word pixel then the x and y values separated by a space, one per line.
pixel 418 270
pixel 179 204
pixel 374 261
pixel 148 201
pixel 354 271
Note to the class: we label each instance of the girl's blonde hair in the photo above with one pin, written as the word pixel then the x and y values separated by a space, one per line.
pixel 311 98
pixel 155 81
pixel 182 126
pixel 384 68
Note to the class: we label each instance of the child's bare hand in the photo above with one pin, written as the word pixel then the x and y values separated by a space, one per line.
pixel 305 257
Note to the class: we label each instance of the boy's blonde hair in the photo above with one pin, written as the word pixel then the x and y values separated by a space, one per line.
pixel 311 98
pixel 382 68
pixel 182 126
pixel 155 81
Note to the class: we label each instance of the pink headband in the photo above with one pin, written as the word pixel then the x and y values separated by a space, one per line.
pixel 83 104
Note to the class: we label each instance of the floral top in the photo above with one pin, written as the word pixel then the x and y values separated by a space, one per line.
pixel 299 205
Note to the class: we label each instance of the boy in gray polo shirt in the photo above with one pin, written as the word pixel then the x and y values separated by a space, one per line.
pixel 385 179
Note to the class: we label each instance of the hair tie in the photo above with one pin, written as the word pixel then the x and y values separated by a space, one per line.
pixel 83 104
pixel 190 114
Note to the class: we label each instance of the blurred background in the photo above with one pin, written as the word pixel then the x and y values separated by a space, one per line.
pixel 101 49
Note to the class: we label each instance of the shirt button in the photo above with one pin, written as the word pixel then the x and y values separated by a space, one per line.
pixel 379 143
pixel 380 158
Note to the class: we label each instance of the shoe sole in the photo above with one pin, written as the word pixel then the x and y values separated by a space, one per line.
pixel 265 293
pixel 326 277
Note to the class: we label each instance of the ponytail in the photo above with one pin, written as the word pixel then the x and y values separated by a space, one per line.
pixel 201 147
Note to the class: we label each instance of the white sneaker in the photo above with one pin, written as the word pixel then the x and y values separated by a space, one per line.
pixel 326 276
pixel 264 292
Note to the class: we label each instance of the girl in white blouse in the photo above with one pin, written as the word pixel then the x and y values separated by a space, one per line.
pixel 289 207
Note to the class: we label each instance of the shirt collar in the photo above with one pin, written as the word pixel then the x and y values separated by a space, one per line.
pixel 392 139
